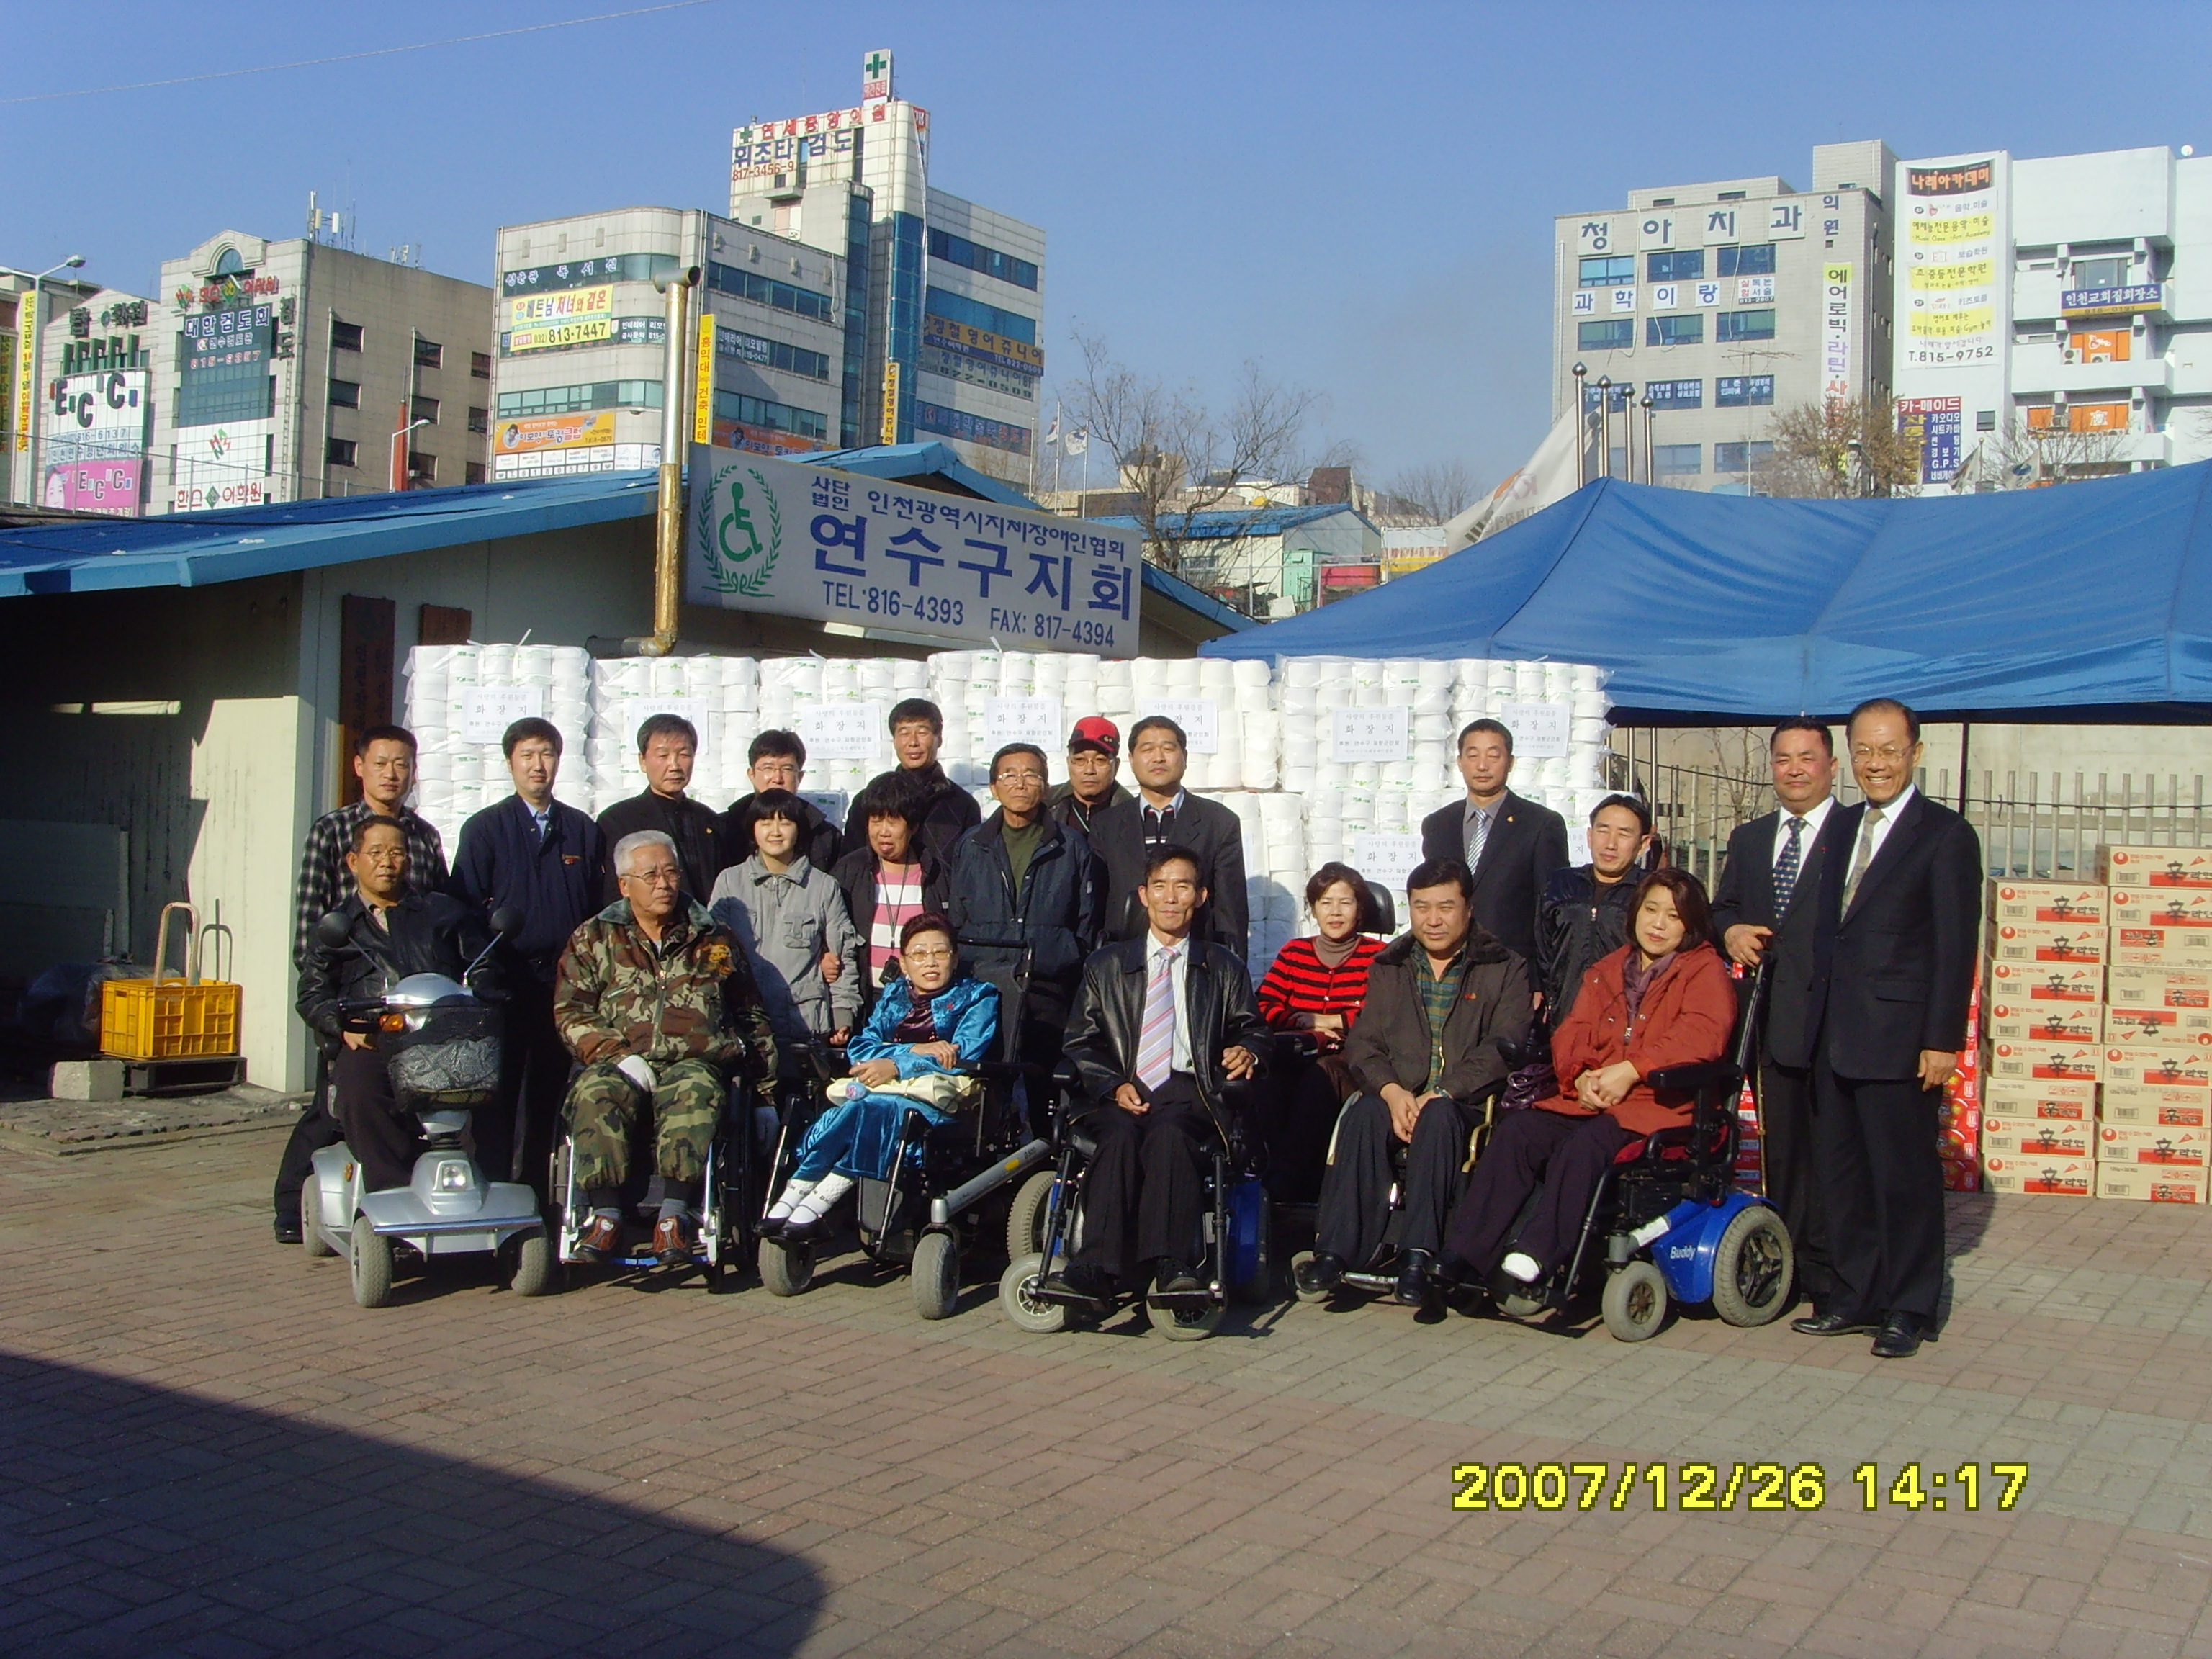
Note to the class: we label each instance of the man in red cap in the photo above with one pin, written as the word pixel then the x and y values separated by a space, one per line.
pixel 1094 749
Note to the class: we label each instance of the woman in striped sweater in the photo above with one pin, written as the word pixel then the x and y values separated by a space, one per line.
pixel 1315 987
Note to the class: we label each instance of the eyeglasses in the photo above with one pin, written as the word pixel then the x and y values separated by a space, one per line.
pixel 669 877
pixel 931 953
pixel 1888 751
pixel 1020 777
pixel 382 856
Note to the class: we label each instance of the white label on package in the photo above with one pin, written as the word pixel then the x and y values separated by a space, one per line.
pixel 1387 858
pixel 830 803
pixel 488 710
pixel 1370 734
pixel 1539 729
pixel 1200 717
pixel 842 731
pixel 637 710
pixel 1022 719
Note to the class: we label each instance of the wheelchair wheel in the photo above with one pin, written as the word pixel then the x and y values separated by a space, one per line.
pixel 312 1242
pixel 1025 1217
pixel 936 1273
pixel 371 1264
pixel 1183 1327
pixel 534 1270
pixel 786 1269
pixel 1515 1305
pixel 1636 1302
pixel 1752 1267
pixel 1259 1290
pixel 1023 1311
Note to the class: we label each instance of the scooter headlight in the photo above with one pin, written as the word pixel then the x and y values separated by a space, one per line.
pixel 452 1176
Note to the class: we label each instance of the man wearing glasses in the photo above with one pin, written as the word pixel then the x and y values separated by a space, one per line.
pixel 1893 954
pixel 655 1000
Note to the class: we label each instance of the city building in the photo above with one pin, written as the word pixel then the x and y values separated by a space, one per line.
pixel 23 366
pixel 1270 562
pixel 944 307
pixel 95 405
pixel 1725 303
pixel 297 370
pixel 582 338
pixel 2058 305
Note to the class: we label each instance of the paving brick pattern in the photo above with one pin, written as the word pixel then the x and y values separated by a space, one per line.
pixel 205 1449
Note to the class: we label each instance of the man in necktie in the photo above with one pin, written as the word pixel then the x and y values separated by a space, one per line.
pixel 1162 1024
pixel 1766 910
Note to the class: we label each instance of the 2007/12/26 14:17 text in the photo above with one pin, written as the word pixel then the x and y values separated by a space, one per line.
pixel 1714 1487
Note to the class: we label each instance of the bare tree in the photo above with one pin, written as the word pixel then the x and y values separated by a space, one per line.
pixel 1438 491
pixel 1842 449
pixel 1179 455
pixel 2024 457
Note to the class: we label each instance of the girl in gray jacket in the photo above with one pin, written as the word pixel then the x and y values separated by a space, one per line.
pixel 791 921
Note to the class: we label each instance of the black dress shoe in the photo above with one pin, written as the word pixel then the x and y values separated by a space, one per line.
pixel 1901 1337
pixel 288 1229
pixel 1832 1324
pixel 1412 1290
pixel 1319 1275
pixel 1176 1287
pixel 1079 1283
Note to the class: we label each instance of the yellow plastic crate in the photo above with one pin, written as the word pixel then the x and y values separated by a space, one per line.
pixel 170 1019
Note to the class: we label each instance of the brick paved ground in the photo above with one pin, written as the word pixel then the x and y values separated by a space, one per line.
pixel 208 1450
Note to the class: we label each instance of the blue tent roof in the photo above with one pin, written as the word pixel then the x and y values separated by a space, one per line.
pixel 1231 524
pixel 2094 597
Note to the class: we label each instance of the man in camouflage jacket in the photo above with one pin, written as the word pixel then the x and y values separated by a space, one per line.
pixel 654 998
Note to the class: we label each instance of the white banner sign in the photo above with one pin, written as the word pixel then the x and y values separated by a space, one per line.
pixel 830 803
pixel 1388 859
pixel 635 711
pixel 1022 719
pixel 488 710
pixel 810 541
pixel 842 731
pixel 1370 734
pixel 1539 729
pixel 1200 717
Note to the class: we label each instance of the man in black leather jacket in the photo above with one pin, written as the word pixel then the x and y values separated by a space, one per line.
pixel 1583 915
pixel 1162 1024
pixel 394 933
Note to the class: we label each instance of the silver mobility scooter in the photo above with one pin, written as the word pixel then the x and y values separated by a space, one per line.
pixel 442 1050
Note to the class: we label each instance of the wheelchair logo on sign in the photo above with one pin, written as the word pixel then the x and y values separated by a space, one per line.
pixel 740 551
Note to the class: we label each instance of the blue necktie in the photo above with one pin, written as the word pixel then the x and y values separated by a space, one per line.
pixel 1785 869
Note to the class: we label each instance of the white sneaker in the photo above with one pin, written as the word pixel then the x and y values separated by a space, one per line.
pixel 1524 1268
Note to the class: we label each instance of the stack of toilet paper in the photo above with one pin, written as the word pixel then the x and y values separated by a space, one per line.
pixel 458 701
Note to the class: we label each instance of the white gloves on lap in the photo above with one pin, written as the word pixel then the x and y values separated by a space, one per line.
pixel 633 1067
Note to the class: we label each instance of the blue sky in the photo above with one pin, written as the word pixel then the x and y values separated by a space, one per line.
pixel 1358 196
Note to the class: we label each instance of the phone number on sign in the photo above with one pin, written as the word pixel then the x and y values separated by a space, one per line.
pixel 1716 1486
pixel 934 608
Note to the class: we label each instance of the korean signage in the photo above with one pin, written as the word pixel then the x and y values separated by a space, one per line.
pixel 889 433
pixel 842 731
pixel 27 368
pixel 1023 720
pixel 1938 423
pixel 1387 857
pixel 1836 333
pixel 109 487
pixel 576 316
pixel 2078 417
pixel 1539 729
pixel 1780 221
pixel 1954 264
pixel 220 339
pixel 806 541
pixel 2112 301
pixel 824 145
pixel 488 710
pixel 226 290
pixel 96 442
pixel 702 383
pixel 533 432
pixel 1200 717
pixel 1675 394
pixel 1357 735
pixel 973 428
pixel 227 466
pixel 981 342
pixel 761 439
pixel 578 273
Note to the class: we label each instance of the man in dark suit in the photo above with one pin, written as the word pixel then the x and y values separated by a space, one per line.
pixel 1511 844
pixel 1163 813
pixel 1893 968
pixel 1767 909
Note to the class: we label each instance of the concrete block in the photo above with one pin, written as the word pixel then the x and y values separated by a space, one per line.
pixel 87 1079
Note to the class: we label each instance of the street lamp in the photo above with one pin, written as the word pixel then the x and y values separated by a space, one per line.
pixel 1646 407
pixel 1582 428
pixel 29 348
pixel 400 475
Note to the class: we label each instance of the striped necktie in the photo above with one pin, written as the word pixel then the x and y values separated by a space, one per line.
pixel 1477 838
pixel 1786 868
pixel 1863 857
pixel 1155 1042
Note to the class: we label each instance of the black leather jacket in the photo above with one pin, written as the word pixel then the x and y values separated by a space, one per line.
pixel 1578 923
pixel 1110 1012
pixel 1054 916
pixel 430 933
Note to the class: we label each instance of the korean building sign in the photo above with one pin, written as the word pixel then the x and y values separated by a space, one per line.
pixel 809 541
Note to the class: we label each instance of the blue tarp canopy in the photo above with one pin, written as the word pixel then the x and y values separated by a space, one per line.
pixel 2094 598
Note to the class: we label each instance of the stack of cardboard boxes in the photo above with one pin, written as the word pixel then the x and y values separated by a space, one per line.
pixel 2099 1000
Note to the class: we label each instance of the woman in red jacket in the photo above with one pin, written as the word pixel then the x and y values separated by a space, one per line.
pixel 1664 998
pixel 1317 986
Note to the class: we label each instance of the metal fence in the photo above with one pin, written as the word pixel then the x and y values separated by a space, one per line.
pixel 2033 826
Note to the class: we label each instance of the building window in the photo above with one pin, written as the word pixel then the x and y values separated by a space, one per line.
pixel 774 416
pixel 1675 394
pixel 1614 334
pixel 429 353
pixel 1743 391
pixel 767 291
pixel 1733 195
pixel 2100 345
pixel 423 408
pixel 959 308
pixel 344 337
pixel 973 256
pixel 771 354
pixel 241 392
pixel 1687 266
pixel 1687 330
pixel 345 394
pixel 479 420
pixel 422 470
pixel 1756 260
pixel 1742 458
pixel 1607 272
pixel 1985 420
pixel 2097 273
pixel 572 400
pixel 1675 460
pixel 473 472
pixel 480 365
pixel 1743 325
pixel 339 452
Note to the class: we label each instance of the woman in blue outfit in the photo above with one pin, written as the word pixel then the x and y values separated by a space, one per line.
pixel 925 1027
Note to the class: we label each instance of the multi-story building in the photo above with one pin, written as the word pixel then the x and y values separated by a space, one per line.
pixel 1725 303
pixel 2057 304
pixel 95 404
pixel 582 337
pixel 297 370
pixel 944 305
pixel 24 367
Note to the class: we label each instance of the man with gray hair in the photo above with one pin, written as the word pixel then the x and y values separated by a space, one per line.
pixel 655 1000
